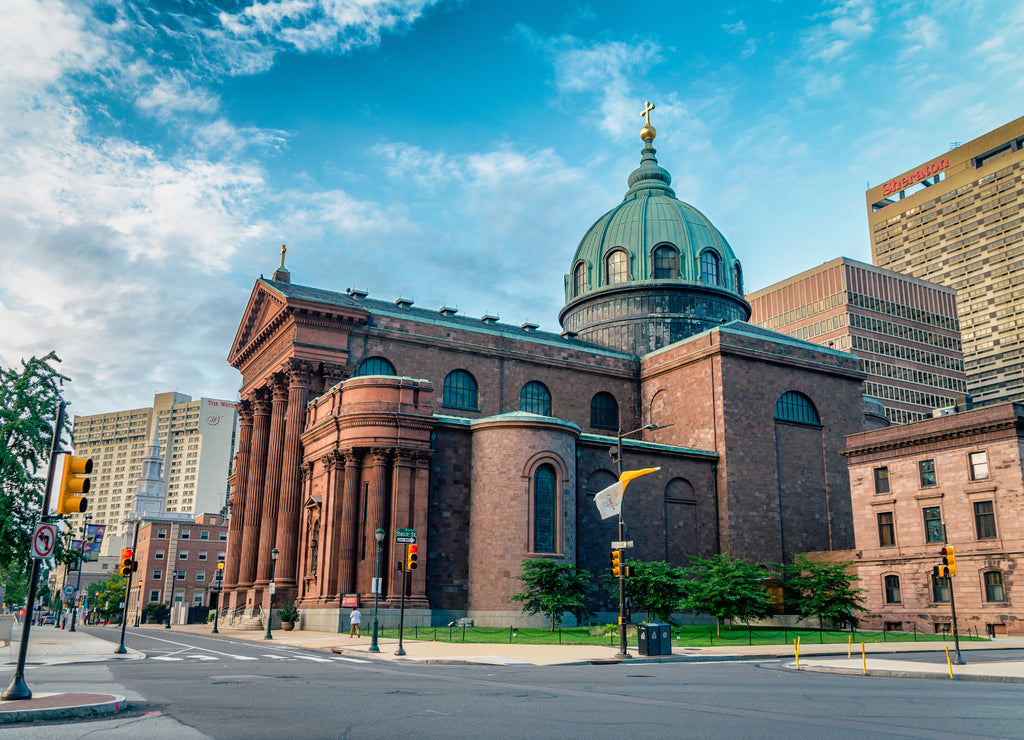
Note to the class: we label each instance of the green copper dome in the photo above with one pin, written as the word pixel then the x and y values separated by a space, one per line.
pixel 650 216
pixel 652 270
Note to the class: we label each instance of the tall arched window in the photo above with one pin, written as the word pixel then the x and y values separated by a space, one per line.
pixel 545 506
pixel 616 266
pixel 579 279
pixel 460 390
pixel 604 411
pixel 666 262
pixel 738 276
pixel 375 366
pixel 709 267
pixel 793 406
pixel 535 398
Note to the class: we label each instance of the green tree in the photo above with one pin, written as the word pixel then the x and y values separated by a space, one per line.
pixel 106 595
pixel 655 587
pixel 554 589
pixel 824 590
pixel 727 588
pixel 29 397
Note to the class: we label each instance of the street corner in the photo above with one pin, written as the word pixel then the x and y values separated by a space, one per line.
pixel 60 706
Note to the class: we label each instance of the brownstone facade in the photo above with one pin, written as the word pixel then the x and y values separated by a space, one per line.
pixel 954 479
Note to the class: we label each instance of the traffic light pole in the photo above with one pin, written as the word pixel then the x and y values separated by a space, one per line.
pixel 127 593
pixel 401 606
pixel 623 652
pixel 959 659
pixel 18 688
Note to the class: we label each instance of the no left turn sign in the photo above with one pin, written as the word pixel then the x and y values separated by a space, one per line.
pixel 43 540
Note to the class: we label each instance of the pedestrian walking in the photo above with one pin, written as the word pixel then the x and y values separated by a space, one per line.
pixel 354 619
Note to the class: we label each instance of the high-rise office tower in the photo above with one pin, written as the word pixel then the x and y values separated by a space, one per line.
pixel 958 220
pixel 904 331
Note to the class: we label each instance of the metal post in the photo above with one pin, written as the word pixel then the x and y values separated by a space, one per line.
pixel 379 536
pixel 623 652
pixel 401 608
pixel 218 589
pixel 270 608
pixel 18 688
pixel 81 560
pixel 127 592
pixel 959 659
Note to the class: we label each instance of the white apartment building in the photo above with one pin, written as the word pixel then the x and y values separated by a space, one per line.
pixel 196 441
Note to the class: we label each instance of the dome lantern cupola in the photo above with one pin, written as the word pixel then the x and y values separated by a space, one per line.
pixel 653 269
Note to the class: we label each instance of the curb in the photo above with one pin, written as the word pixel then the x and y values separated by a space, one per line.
pixel 933 675
pixel 50 707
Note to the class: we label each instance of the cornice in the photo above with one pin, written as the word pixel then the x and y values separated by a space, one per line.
pixel 932 437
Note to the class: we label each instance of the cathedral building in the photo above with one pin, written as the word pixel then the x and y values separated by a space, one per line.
pixel 490 440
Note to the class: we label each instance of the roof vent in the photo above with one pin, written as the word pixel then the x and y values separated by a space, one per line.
pixel 488 319
pixel 527 326
pixel 357 293
pixel 448 311
pixel 569 334
pixel 403 302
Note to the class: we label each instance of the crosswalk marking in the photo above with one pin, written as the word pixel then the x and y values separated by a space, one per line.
pixel 352 660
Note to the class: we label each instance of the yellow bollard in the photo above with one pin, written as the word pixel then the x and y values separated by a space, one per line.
pixel 864 658
pixel 948 662
pixel 796 648
pixel 849 647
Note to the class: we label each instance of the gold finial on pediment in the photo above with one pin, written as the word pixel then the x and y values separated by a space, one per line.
pixel 283 250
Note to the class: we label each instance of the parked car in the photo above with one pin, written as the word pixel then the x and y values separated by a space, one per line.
pixel 48 619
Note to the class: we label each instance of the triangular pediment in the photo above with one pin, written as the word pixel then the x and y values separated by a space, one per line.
pixel 263 307
pixel 311 502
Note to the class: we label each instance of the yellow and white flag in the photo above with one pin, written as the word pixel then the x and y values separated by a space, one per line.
pixel 609 501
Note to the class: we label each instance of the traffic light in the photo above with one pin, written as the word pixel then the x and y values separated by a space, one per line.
pixel 72 484
pixel 411 555
pixel 948 561
pixel 127 564
pixel 616 563
pixel 627 571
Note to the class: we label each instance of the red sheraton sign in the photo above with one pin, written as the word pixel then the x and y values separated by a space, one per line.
pixel 901 183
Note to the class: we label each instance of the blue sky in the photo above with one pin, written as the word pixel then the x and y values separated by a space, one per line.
pixel 155 155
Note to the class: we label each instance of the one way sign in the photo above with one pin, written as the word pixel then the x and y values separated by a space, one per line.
pixel 43 540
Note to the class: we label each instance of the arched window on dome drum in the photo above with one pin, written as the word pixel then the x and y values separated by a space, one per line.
pixel 709 268
pixel 579 279
pixel 738 274
pixel 535 398
pixel 666 262
pixel 460 391
pixel 793 406
pixel 375 366
pixel 604 411
pixel 545 504
pixel 616 267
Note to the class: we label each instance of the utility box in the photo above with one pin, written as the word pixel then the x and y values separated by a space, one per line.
pixel 654 638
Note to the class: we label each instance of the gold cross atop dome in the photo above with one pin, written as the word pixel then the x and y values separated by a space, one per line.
pixel 647 133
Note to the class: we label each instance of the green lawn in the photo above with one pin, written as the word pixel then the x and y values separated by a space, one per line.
pixel 681 636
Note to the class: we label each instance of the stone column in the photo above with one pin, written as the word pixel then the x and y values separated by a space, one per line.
pixel 272 484
pixel 377 516
pixel 305 564
pixel 333 465
pixel 347 551
pixel 254 488
pixel 237 501
pixel 287 537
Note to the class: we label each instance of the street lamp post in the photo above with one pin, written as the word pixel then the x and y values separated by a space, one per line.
pixel 619 434
pixel 379 536
pixel 217 585
pixel 270 609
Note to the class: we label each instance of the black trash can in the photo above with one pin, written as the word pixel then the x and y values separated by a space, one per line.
pixel 649 638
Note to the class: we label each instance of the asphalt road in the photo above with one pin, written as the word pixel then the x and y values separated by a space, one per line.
pixel 193 686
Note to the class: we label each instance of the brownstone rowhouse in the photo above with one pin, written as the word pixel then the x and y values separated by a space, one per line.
pixel 953 479
pixel 490 440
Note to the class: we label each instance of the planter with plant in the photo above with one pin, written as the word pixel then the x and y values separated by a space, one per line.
pixel 289 615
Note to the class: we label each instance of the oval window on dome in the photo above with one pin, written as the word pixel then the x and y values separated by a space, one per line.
pixel 616 266
pixel 738 275
pixel 709 267
pixel 666 262
pixel 579 279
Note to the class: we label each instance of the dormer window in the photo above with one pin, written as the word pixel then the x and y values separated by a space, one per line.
pixel 617 267
pixel 666 262
pixel 709 268
pixel 579 280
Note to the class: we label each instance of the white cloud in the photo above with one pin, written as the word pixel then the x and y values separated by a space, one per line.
pixel 251 37
pixel 173 96
pixel 849 22
pixel 735 29
pixel 42 39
